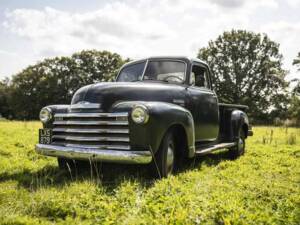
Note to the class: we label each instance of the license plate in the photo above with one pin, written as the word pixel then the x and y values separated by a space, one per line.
pixel 45 136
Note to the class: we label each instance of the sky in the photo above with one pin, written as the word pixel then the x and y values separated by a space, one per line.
pixel 36 29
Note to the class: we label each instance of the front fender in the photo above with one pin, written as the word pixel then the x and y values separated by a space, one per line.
pixel 162 116
pixel 56 109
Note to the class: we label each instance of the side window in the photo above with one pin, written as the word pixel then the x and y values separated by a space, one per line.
pixel 199 77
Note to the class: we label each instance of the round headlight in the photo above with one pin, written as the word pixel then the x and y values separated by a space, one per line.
pixel 45 115
pixel 140 114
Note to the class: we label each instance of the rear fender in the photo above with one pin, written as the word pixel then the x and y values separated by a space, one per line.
pixel 239 120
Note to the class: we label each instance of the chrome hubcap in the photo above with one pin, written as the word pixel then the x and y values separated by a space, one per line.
pixel 170 158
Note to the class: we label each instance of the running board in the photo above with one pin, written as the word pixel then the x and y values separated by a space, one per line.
pixel 208 149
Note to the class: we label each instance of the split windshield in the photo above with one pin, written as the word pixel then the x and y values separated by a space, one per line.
pixel 156 70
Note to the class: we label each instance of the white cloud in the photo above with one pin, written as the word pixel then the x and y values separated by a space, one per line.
pixel 240 3
pixel 293 3
pixel 141 28
pixel 287 34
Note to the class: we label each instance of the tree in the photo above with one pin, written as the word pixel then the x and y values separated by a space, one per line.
pixel 247 69
pixel 54 81
pixel 95 66
pixel 294 109
pixel 5 109
pixel 296 87
pixel 296 61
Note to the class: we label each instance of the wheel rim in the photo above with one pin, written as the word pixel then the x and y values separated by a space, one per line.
pixel 170 158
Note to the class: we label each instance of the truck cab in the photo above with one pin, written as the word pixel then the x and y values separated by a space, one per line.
pixel 158 111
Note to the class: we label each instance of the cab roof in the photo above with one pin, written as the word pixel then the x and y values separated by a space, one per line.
pixel 182 58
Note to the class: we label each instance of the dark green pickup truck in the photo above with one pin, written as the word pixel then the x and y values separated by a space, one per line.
pixel 159 110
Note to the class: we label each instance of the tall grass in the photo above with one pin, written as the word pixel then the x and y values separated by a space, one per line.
pixel 262 187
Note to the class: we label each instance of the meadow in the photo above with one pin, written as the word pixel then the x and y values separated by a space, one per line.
pixel 261 187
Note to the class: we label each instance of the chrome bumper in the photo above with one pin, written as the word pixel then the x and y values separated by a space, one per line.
pixel 129 157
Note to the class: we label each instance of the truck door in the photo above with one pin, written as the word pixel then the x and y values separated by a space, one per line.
pixel 204 104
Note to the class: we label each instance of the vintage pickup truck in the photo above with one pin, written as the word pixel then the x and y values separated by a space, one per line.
pixel 159 110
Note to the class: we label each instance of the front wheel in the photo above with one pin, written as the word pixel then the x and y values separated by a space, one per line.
pixel 239 149
pixel 164 162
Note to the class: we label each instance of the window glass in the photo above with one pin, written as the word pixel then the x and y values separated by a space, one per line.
pixel 199 76
pixel 132 72
pixel 168 71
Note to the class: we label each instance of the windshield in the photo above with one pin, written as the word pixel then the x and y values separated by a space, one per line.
pixel 159 70
pixel 132 72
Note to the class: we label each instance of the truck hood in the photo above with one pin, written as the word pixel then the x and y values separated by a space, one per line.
pixel 108 93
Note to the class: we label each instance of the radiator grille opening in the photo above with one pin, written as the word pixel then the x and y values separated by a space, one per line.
pixel 92 130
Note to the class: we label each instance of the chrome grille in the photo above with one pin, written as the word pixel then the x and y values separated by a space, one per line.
pixel 91 130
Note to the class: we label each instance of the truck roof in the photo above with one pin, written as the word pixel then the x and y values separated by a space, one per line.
pixel 183 58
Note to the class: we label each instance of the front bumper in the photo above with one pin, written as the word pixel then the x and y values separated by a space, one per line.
pixel 117 156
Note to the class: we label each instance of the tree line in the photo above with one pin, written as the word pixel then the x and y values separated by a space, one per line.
pixel 246 69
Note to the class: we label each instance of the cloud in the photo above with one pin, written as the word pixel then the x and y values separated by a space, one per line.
pixel 229 3
pixel 238 4
pixel 119 24
pixel 287 34
pixel 293 3
pixel 51 30
pixel 139 28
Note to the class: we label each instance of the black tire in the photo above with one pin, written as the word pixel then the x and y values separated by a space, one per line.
pixel 239 149
pixel 164 163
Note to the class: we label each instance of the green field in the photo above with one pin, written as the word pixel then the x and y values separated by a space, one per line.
pixel 262 187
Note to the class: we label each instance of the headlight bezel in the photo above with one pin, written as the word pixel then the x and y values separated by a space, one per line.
pixel 138 109
pixel 45 115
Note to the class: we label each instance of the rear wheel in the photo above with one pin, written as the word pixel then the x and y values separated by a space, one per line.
pixel 239 149
pixel 165 157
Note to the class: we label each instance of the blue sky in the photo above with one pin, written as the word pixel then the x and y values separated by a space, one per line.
pixel 32 30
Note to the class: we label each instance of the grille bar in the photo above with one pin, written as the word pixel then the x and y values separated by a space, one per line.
pixel 82 122
pixel 88 115
pixel 92 130
pixel 84 138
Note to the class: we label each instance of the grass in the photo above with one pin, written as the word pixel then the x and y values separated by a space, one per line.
pixel 262 187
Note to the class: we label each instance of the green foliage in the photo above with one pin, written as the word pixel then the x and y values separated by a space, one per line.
pixel 296 86
pixel 54 81
pixel 5 91
pixel 294 109
pixel 261 187
pixel 297 61
pixel 247 69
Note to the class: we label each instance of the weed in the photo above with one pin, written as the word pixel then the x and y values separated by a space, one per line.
pixel 291 139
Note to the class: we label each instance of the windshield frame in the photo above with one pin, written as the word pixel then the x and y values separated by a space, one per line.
pixel 154 60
